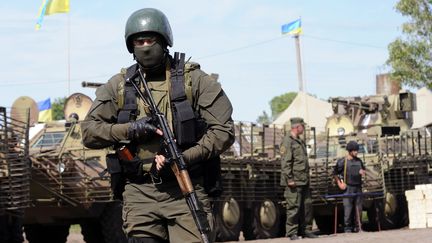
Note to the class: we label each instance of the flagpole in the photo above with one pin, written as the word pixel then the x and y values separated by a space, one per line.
pixel 68 50
pixel 299 63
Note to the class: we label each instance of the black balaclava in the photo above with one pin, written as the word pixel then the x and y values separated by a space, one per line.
pixel 153 57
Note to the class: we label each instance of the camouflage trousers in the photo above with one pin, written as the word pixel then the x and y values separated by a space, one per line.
pixel 298 210
pixel 160 211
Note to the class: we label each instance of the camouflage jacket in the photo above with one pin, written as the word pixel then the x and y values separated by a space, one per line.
pixel 294 161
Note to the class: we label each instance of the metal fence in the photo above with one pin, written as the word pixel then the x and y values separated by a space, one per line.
pixel 14 163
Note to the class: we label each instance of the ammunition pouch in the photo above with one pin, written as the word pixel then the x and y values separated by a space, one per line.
pixel 184 123
pixel 184 119
pixel 118 181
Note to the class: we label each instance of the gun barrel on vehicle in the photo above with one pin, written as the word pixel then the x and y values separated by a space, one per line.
pixel 86 84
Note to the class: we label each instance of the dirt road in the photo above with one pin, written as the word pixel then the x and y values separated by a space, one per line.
pixel 393 236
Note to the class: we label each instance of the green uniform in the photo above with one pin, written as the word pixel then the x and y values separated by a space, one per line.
pixel 159 210
pixel 295 167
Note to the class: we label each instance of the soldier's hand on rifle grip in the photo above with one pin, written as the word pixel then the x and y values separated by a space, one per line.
pixel 142 129
pixel 160 161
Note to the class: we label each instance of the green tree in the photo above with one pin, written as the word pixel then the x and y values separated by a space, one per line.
pixel 264 118
pixel 410 56
pixel 57 108
pixel 279 103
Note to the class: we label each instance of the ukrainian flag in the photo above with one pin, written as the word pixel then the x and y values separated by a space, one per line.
pixel 293 28
pixel 45 112
pixel 49 7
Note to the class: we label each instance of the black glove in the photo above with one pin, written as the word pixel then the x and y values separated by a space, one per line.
pixel 141 129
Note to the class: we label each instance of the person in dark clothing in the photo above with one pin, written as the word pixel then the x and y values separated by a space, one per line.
pixel 348 173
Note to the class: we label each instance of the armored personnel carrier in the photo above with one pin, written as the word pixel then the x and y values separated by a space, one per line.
pixel 66 181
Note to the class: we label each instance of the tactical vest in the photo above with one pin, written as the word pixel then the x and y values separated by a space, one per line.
pixel 353 177
pixel 187 126
pixel 184 118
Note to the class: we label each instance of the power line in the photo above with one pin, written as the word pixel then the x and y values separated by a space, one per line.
pixel 218 54
pixel 307 36
pixel 345 42
pixel 240 48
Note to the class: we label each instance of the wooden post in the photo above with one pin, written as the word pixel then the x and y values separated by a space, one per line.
pixel 336 217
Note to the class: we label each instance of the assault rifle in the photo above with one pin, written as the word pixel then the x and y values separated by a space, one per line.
pixel 174 158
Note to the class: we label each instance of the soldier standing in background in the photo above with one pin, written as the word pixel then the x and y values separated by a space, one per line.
pixel 295 179
pixel 155 210
pixel 348 173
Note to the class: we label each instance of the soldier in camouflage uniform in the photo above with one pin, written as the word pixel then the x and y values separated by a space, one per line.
pixel 295 179
pixel 152 211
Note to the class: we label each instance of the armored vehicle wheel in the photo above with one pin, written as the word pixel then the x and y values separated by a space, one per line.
pixel 37 233
pixel 392 212
pixel 228 219
pixel 266 219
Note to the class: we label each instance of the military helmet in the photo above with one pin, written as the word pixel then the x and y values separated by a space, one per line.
pixel 148 19
pixel 352 146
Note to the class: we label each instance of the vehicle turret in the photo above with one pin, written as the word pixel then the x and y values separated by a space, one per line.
pixel 373 115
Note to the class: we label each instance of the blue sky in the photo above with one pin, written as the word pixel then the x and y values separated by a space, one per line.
pixel 343 47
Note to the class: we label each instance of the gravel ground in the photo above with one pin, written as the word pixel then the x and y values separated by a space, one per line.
pixel 393 236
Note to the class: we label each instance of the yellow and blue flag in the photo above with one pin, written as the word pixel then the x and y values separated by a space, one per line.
pixel 49 7
pixel 45 111
pixel 293 28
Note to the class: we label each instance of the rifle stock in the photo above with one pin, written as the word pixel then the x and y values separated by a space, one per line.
pixel 175 159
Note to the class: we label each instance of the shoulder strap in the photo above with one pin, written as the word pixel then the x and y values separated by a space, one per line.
pixel 129 110
pixel 177 78
pixel 183 115
pixel 345 169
